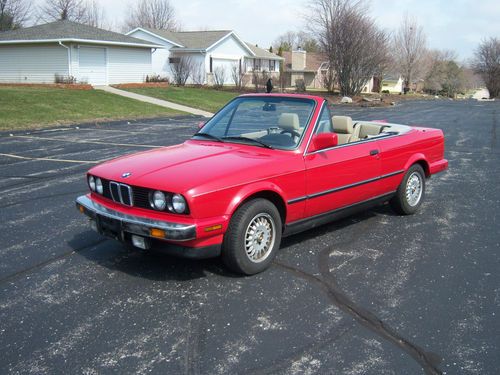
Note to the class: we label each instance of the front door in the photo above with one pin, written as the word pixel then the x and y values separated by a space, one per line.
pixel 341 176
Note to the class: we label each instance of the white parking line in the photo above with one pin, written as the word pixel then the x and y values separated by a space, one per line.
pixel 51 159
pixel 86 142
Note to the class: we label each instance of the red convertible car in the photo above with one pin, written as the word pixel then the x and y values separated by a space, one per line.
pixel 264 167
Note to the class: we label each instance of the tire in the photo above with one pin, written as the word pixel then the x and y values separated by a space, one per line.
pixel 245 251
pixel 411 191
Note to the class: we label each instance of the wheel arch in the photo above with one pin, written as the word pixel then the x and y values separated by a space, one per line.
pixel 422 161
pixel 271 193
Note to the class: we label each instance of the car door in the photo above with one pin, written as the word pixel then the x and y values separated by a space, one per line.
pixel 340 176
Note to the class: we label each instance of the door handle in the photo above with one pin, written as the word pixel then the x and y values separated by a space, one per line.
pixel 374 152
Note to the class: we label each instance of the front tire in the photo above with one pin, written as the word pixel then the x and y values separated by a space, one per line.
pixel 411 192
pixel 253 237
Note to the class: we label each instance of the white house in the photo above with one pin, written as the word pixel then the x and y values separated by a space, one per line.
pixel 68 49
pixel 208 50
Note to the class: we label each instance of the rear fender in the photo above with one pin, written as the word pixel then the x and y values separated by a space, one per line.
pixel 418 158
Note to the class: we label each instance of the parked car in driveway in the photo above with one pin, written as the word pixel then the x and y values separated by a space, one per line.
pixel 264 167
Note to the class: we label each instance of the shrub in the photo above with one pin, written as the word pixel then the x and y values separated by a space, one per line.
pixel 156 78
pixel 60 78
pixel 300 85
pixel 385 92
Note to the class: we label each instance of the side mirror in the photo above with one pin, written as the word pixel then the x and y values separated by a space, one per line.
pixel 201 124
pixel 323 141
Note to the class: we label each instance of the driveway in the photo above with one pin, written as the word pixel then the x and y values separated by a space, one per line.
pixel 375 293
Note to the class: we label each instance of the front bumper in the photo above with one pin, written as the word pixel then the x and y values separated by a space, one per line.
pixel 141 226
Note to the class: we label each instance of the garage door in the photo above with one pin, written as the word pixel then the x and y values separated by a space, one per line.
pixel 226 65
pixel 93 65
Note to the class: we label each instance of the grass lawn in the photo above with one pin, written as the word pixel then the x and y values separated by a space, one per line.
pixel 30 107
pixel 202 98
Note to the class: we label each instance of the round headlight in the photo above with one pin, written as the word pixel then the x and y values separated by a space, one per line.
pixel 92 183
pixel 179 203
pixel 98 185
pixel 159 200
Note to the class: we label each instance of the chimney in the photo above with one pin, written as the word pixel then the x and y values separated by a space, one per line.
pixel 299 59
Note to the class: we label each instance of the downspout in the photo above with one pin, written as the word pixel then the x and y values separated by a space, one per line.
pixel 69 57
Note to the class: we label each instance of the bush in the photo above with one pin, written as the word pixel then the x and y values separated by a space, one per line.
pixel 385 92
pixel 69 80
pixel 156 78
pixel 300 85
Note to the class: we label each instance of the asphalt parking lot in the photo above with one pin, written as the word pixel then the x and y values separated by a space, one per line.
pixel 375 293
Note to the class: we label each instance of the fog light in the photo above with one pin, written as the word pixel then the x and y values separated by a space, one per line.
pixel 139 242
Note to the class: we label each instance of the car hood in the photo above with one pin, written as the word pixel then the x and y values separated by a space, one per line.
pixel 196 167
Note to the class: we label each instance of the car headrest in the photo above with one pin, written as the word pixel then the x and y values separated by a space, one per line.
pixel 342 124
pixel 289 121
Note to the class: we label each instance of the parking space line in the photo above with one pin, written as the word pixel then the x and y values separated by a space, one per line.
pixel 52 159
pixel 87 142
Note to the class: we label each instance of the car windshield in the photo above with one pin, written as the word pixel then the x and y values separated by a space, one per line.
pixel 272 122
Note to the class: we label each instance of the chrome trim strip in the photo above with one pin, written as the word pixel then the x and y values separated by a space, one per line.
pixel 174 231
pixel 345 187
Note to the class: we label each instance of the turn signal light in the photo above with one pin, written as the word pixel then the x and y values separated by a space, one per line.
pixel 158 233
pixel 81 209
pixel 213 227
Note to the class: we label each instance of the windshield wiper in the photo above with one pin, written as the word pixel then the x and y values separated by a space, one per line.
pixel 245 139
pixel 209 136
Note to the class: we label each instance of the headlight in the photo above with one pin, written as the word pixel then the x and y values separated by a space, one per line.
pixel 92 183
pixel 98 185
pixel 159 201
pixel 179 203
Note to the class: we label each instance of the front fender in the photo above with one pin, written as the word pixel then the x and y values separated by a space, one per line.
pixel 248 190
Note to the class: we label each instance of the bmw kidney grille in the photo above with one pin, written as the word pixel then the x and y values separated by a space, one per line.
pixel 121 193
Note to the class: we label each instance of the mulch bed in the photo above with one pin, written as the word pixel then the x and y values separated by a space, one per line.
pixel 141 85
pixel 75 86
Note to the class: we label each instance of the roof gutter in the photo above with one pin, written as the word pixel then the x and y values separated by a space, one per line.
pixel 69 57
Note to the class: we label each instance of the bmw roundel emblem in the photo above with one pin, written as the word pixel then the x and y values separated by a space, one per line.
pixel 126 174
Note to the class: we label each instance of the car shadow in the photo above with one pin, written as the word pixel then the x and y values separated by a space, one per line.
pixel 153 265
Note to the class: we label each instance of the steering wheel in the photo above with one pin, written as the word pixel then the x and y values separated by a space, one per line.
pixel 293 133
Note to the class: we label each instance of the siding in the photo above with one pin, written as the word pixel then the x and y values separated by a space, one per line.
pixel 32 63
pixel 128 65
pixel 160 57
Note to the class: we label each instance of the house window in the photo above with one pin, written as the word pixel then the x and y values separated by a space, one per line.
pixel 272 65
pixel 211 64
pixel 174 60
pixel 256 64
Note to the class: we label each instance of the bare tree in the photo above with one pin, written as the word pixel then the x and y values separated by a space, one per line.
pixel 72 10
pixel 154 14
pixel 219 76
pixel 409 45
pixel 198 74
pixel 487 63
pixel 14 14
pixel 355 47
pixel 293 40
pixel 95 15
pixel 238 75
pixel 181 68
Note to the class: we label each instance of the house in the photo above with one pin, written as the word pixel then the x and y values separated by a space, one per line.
pixel 308 66
pixel 68 49
pixel 209 51
pixel 392 83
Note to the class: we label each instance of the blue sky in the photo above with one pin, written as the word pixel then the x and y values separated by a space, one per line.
pixel 458 25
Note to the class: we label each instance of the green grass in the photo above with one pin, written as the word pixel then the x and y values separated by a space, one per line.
pixel 202 98
pixel 23 107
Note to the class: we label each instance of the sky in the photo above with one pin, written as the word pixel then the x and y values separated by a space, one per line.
pixel 457 25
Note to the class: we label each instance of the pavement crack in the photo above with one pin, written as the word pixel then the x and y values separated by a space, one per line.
pixel 428 361
pixel 49 261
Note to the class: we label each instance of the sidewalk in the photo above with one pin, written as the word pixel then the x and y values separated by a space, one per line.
pixel 160 102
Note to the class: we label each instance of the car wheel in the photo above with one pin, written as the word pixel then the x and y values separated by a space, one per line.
pixel 410 193
pixel 253 237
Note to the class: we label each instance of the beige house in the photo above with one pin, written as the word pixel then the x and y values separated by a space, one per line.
pixel 308 66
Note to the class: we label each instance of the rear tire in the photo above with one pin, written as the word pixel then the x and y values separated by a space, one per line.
pixel 253 237
pixel 411 191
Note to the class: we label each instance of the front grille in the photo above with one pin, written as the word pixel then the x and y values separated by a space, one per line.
pixel 121 193
pixel 131 195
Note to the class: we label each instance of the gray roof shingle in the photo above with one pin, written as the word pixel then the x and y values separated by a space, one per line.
pixel 262 53
pixel 68 30
pixel 192 39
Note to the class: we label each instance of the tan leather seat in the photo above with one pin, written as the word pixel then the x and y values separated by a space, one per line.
pixel 362 130
pixel 289 122
pixel 342 125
